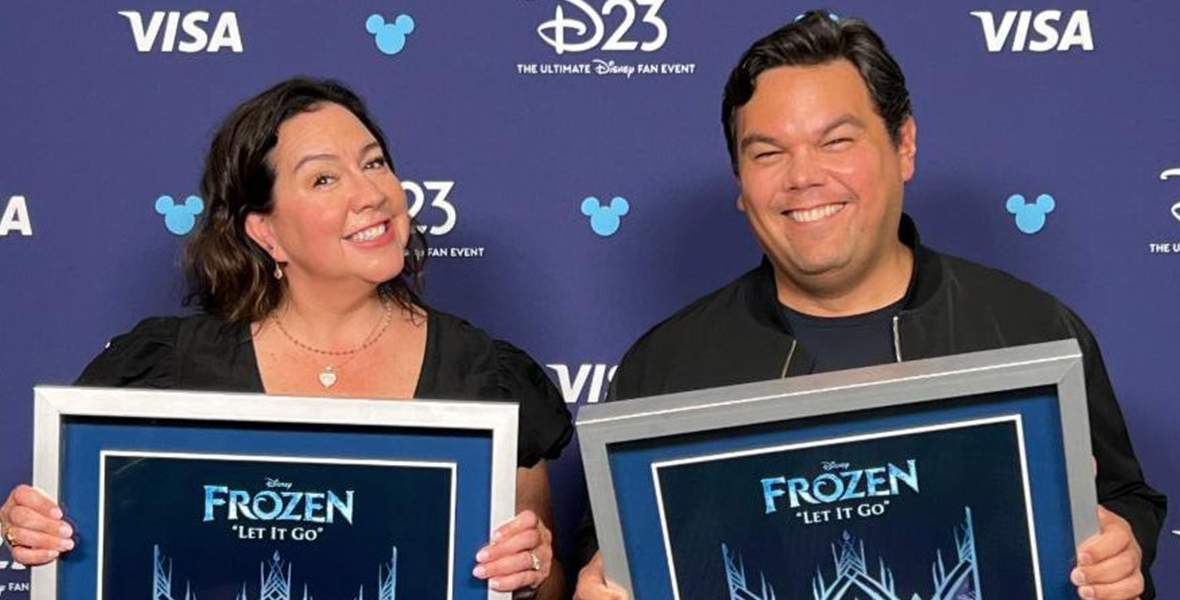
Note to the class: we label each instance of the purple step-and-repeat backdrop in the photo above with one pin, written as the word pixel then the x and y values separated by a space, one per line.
pixel 504 117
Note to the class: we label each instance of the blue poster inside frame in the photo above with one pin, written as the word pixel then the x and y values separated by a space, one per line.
pixel 193 495
pixel 928 500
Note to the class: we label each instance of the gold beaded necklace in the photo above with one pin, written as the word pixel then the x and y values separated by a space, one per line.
pixel 329 375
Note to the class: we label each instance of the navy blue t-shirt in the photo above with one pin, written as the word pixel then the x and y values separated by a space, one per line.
pixel 839 343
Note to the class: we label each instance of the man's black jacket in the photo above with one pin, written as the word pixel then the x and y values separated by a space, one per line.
pixel 737 334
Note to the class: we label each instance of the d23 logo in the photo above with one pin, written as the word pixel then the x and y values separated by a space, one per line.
pixel 192 24
pixel 1166 175
pixel 585 29
pixel 418 200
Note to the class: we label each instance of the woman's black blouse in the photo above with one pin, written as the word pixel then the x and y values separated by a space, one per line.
pixel 461 362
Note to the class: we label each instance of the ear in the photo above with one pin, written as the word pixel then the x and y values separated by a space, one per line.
pixel 164 205
pixel 374 24
pixel 907 147
pixel 741 203
pixel 193 205
pixel 590 206
pixel 259 229
pixel 404 23
pixel 1046 203
pixel 619 206
pixel 1015 204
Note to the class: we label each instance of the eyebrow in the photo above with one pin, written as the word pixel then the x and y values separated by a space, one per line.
pixel 369 147
pixel 852 120
pixel 755 138
pixel 312 157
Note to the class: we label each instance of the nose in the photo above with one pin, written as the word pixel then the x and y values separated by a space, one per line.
pixel 368 193
pixel 803 171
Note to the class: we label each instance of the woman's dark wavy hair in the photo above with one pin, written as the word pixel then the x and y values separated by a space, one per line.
pixel 818 37
pixel 229 275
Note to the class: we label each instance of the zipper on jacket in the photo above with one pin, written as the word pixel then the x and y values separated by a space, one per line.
pixel 790 355
pixel 896 338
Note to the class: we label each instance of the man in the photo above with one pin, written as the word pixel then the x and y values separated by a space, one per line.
pixel 820 132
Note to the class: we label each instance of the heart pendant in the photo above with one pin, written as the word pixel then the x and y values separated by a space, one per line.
pixel 327 378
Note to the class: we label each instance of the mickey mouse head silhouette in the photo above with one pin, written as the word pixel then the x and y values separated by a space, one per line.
pixel 390 37
pixel 605 220
pixel 179 218
pixel 1030 218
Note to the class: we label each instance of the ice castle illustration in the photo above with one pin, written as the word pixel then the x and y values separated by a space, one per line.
pixel 853 579
pixel 162 580
pixel 274 578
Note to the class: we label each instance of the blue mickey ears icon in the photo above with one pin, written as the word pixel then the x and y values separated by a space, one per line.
pixel 605 220
pixel 180 218
pixel 1046 203
pixel 590 206
pixel 833 16
pixel 619 206
pixel 1030 218
pixel 390 37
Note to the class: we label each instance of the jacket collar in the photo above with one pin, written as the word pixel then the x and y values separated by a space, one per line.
pixel 926 278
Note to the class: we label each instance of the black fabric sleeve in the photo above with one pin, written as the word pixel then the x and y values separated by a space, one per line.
pixel 145 357
pixel 545 423
pixel 1121 487
pixel 585 540
pixel 586 537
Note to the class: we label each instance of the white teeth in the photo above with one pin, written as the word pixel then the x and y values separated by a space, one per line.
pixel 815 214
pixel 368 235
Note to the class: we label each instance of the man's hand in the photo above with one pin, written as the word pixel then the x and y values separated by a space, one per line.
pixel 1109 563
pixel 593 584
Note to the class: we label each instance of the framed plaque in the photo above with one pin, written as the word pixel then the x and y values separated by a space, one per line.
pixel 963 477
pixel 250 497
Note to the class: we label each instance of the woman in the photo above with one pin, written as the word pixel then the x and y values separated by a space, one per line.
pixel 306 268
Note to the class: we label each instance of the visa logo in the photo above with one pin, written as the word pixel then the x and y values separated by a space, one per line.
pixel 1047 32
pixel 163 28
pixel 589 383
pixel 15 217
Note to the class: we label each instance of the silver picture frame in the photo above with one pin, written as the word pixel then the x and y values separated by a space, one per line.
pixel 55 406
pixel 913 385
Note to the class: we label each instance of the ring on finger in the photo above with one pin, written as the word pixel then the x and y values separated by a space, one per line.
pixel 536 564
pixel 10 537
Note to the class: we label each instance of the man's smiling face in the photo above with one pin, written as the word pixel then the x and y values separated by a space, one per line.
pixel 821 179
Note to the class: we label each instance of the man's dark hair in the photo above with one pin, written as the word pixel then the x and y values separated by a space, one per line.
pixel 819 37
pixel 229 275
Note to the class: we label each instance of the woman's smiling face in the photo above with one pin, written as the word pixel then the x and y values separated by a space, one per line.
pixel 339 209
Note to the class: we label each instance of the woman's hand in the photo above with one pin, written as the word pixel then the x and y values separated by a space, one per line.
pixel 520 555
pixel 33 526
